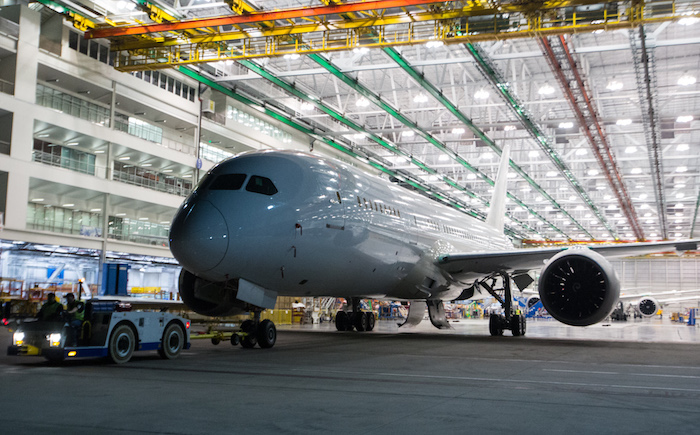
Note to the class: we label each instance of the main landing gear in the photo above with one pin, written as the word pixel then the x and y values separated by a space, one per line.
pixel 354 319
pixel 511 319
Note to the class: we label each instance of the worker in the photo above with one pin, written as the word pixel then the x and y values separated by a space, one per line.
pixel 74 316
pixel 51 310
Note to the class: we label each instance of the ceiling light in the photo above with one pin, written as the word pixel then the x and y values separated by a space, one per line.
pixel 614 85
pixel 362 102
pixel 187 176
pixel 647 214
pixel 68 205
pixel 679 214
pixel 99 152
pixel 612 207
pixel 680 195
pixel 420 98
pixel 434 43
pixel 360 50
pixel 443 158
pixel 551 174
pixel 481 94
pixel 143 218
pixel 167 170
pixel 643 196
pixel 681 169
pixel 566 124
pixel 607 197
pixel 636 171
pixel 487 156
pixel 546 90
pixel 688 20
pixel 146 165
pixel 686 80
pixel 471 176
pixel 679 186
pixel 407 133
pixel 37 199
pixel 625 121
pixel 682 147
pixel 358 136
pixel 125 158
pixel 509 128
pixel 533 154
pixel 292 56
pixel 592 172
pixel 679 205
pixel 458 130
pixel 581 152
pixel 306 106
pixel 684 118
pixel 120 214
pixel 631 149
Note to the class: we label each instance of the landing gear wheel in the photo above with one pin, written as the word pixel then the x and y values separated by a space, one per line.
pixel 370 321
pixel 515 325
pixel 215 340
pixel 495 325
pixel 267 334
pixel 172 343
pixel 360 321
pixel 122 344
pixel 342 321
pixel 250 339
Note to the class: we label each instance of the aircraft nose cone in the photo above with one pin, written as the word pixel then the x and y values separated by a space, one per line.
pixel 199 236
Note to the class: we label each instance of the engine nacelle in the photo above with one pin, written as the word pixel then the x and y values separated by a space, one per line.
pixel 579 287
pixel 209 298
pixel 647 306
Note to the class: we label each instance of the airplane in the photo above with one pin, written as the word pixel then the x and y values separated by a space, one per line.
pixel 274 223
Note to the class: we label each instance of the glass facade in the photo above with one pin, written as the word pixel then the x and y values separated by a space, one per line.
pixel 63 220
pixel 154 180
pixel 258 124
pixel 138 231
pixel 138 128
pixel 64 157
pixel 71 105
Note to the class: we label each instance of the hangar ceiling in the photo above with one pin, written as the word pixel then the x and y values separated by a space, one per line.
pixel 598 100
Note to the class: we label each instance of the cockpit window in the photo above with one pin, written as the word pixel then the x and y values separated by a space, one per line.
pixel 228 182
pixel 262 185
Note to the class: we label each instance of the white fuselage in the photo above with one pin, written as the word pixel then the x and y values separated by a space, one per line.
pixel 302 225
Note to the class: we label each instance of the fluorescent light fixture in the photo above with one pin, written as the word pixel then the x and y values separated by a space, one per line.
pixel 592 172
pixel 509 128
pixel 68 205
pixel 581 152
pixel 481 94
pixel 533 154
pixel 487 156
pixel 636 171
pixel 682 169
pixel 443 158
pixel 643 196
pixel 37 199
pixel 546 89
pixel 99 152
pixel 146 165
pixel 362 102
pixel 42 135
pixel 688 20
pixel 686 80
pixel 614 85
pixel 458 130
pixel 566 124
pixel 420 98
pixel 631 149
pixel 143 218
pixel 95 209
pixel 292 56
pixel 166 171
pixel 684 118
pixel 625 121
pixel 187 176
pixel 360 50
pixel 682 147
pixel 70 144
pixel 306 106
pixel 551 174
pixel 407 133
pixel 120 214
pixel 434 43
pixel 125 158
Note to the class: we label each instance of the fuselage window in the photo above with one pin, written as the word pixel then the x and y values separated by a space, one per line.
pixel 262 185
pixel 227 182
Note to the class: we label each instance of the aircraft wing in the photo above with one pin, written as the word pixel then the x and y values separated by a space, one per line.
pixel 469 265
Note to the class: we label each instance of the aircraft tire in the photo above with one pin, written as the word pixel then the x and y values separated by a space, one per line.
pixel 266 334
pixel 360 321
pixel 515 325
pixel 495 325
pixel 251 339
pixel 370 321
pixel 342 321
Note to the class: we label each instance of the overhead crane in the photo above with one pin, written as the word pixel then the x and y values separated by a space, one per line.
pixel 565 69
pixel 333 27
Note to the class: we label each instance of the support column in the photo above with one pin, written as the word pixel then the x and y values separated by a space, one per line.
pixel 17 191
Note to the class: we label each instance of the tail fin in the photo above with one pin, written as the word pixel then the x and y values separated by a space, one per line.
pixel 497 211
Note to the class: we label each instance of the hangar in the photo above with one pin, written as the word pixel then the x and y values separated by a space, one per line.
pixel 113 111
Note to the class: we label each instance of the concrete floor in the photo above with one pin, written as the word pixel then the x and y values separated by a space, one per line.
pixel 622 378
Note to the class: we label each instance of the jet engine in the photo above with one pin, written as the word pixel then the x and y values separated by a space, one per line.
pixel 647 306
pixel 209 298
pixel 579 287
